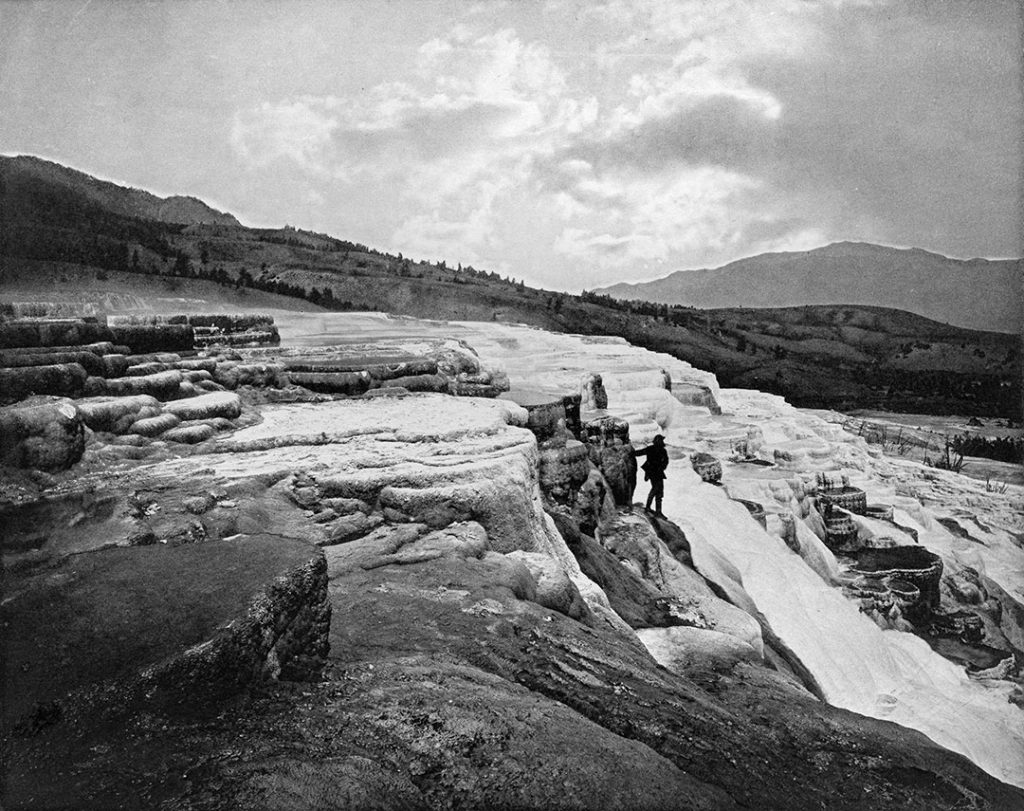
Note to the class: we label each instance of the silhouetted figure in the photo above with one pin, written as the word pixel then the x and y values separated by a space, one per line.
pixel 654 472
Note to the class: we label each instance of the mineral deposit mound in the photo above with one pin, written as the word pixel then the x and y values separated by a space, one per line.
pixel 351 561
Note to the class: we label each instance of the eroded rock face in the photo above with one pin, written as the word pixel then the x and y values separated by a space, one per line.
pixel 61 379
pixel 545 412
pixel 564 470
pixel 209 636
pixel 612 453
pixel 53 332
pixel 46 435
pixel 595 397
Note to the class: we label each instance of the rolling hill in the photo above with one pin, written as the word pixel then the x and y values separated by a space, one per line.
pixel 69 240
pixel 23 177
pixel 973 293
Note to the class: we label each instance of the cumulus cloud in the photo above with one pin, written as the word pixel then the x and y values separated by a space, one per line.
pixel 650 219
pixel 446 142
pixel 690 133
pixel 299 130
pixel 820 121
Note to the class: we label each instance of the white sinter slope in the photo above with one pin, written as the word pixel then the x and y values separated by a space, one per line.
pixel 885 674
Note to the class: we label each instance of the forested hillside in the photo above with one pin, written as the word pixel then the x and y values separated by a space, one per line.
pixel 60 236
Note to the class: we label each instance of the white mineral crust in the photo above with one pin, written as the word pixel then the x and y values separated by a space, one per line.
pixel 887 674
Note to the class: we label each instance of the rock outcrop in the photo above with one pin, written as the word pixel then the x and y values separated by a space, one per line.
pixel 707 467
pixel 613 454
pixel 913 565
pixel 41 434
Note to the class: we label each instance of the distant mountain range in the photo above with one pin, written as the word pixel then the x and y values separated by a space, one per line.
pixel 125 201
pixel 973 293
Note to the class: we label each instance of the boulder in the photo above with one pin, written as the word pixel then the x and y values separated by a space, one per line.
pixel 189 434
pixel 153 426
pixel 162 385
pixel 216 404
pixel 114 365
pixel 456 358
pixel 464 540
pixel 594 503
pixel 62 379
pixel 682 649
pixel 94 387
pixel 103 413
pixel 707 467
pixel 349 527
pixel 197 364
pixel 142 369
pixel 351 383
pixel 46 435
pixel 123 425
pixel 555 590
pixel 233 375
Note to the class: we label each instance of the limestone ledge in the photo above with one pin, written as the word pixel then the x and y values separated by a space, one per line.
pixel 252 608
pixel 364 470
pixel 283 634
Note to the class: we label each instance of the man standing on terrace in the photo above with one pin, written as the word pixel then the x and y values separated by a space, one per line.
pixel 654 472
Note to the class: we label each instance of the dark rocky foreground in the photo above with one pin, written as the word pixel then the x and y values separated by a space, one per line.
pixel 195 674
pixel 448 685
pixel 378 601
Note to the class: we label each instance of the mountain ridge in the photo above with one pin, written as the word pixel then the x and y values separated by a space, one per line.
pixel 127 201
pixel 970 293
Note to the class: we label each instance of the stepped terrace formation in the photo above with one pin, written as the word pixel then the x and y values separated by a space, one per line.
pixel 392 563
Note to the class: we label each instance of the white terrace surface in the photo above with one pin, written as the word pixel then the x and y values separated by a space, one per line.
pixel 884 674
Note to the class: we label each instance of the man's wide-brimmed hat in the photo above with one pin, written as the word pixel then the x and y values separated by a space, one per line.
pixel 659 440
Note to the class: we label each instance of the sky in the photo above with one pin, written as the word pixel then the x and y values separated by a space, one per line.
pixel 570 144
